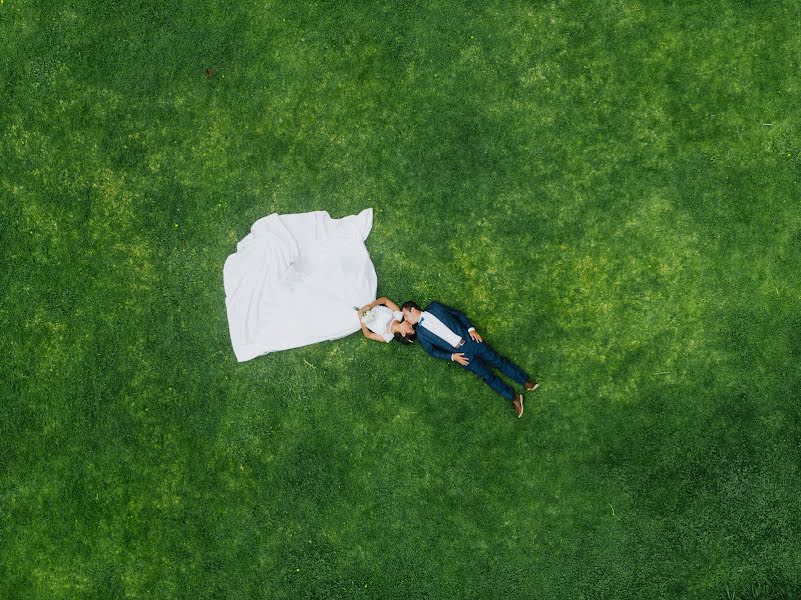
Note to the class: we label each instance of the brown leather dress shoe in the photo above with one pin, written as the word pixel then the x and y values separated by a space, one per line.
pixel 531 386
pixel 518 404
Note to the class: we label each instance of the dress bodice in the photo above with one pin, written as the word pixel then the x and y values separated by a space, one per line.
pixel 380 319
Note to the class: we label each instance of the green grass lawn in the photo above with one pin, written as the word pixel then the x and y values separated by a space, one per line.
pixel 610 189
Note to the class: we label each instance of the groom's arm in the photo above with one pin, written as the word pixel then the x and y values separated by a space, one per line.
pixel 432 350
pixel 460 316
pixel 464 322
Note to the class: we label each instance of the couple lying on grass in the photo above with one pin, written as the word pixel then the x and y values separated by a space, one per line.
pixel 448 334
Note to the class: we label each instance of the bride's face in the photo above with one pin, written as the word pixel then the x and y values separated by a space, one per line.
pixel 404 328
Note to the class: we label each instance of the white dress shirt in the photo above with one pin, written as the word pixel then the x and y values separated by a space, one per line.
pixel 438 328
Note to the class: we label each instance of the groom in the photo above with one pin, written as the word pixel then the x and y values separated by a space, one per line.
pixel 446 333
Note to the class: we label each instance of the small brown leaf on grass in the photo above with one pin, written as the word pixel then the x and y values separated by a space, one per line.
pixel 209 72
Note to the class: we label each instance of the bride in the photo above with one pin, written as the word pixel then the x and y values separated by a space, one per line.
pixel 382 321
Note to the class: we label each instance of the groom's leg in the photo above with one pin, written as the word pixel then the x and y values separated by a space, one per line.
pixel 481 369
pixel 503 364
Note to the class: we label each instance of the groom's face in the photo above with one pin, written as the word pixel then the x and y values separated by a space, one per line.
pixel 411 315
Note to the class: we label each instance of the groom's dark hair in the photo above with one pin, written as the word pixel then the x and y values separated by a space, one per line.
pixel 410 305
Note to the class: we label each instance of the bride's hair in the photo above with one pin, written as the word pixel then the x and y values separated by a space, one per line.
pixel 405 339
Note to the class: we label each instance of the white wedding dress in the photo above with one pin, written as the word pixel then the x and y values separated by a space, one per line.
pixel 380 319
pixel 297 280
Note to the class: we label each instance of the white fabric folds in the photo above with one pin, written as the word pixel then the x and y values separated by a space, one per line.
pixel 297 280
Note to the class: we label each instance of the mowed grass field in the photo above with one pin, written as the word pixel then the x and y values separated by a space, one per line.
pixel 609 189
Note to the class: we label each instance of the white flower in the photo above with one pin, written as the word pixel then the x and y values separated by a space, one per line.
pixel 367 316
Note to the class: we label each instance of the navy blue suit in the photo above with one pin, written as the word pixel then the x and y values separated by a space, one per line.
pixel 481 355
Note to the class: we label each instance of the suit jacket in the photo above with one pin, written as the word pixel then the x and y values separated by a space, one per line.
pixel 456 322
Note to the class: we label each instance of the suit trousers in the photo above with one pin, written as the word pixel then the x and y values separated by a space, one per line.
pixel 483 359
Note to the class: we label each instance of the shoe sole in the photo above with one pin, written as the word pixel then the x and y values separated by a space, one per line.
pixel 536 385
pixel 522 407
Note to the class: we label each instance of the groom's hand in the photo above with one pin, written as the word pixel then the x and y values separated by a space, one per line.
pixel 460 358
pixel 475 336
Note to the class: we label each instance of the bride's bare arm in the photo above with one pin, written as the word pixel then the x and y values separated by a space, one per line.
pixel 376 302
pixel 390 304
pixel 373 336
